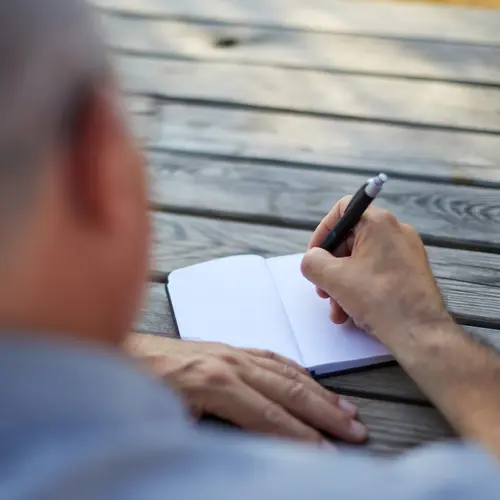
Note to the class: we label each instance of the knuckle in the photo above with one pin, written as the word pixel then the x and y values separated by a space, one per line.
pixel 270 355
pixel 307 264
pixel 216 374
pixel 312 266
pixel 231 357
pixel 385 217
pixel 411 232
pixel 407 228
pixel 273 414
pixel 296 392
pixel 288 372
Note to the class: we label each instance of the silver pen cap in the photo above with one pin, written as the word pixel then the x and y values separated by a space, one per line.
pixel 375 185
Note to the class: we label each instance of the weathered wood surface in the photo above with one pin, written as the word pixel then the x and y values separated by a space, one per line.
pixel 315 50
pixel 144 118
pixel 469 280
pixel 311 141
pixel 394 427
pixel 381 19
pixel 301 197
pixel 375 98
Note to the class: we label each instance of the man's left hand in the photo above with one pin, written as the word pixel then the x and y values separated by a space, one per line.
pixel 256 390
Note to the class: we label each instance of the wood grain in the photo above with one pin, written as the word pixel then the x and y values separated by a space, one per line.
pixel 423 103
pixel 302 197
pixel 326 51
pixel 396 427
pixel 382 19
pixel 469 280
pixel 305 140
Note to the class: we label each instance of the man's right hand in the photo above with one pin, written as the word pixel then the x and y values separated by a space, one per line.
pixel 381 277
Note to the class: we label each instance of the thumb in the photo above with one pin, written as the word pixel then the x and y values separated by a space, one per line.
pixel 323 269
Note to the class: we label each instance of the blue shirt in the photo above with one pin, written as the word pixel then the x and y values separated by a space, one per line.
pixel 81 423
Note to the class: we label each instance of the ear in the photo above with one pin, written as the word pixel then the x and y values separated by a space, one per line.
pixel 91 142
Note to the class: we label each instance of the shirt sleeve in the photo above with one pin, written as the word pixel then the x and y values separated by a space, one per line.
pixel 185 463
pixel 90 425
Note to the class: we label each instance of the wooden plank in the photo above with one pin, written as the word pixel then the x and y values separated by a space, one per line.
pixel 373 18
pixel 396 427
pixel 327 51
pixel 462 215
pixel 142 114
pixel 140 105
pixel 378 381
pixel 330 143
pixel 423 103
pixel 469 280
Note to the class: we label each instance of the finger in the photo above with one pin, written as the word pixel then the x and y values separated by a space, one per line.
pixel 337 314
pixel 277 359
pixel 308 382
pixel 305 404
pixel 325 271
pixel 327 224
pixel 344 250
pixel 249 409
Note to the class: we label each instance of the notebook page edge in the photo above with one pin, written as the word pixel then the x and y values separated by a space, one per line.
pixel 177 293
pixel 340 366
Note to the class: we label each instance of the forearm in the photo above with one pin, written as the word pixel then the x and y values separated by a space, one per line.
pixel 459 375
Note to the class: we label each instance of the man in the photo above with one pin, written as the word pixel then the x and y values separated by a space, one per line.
pixel 80 419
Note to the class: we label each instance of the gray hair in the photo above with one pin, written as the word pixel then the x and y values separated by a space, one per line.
pixel 51 55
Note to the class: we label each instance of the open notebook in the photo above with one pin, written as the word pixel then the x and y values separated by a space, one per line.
pixel 249 301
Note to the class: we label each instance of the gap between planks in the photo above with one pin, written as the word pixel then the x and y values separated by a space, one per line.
pixel 469 280
pixel 446 215
pixel 362 55
pixel 432 105
pixel 289 139
pixel 404 21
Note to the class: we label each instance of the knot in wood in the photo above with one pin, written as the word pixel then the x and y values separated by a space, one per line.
pixel 226 42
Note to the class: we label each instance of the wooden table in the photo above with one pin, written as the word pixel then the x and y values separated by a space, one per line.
pixel 257 116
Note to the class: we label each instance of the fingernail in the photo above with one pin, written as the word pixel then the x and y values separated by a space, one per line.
pixel 358 431
pixel 347 406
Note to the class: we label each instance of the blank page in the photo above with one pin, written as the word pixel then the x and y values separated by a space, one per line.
pixel 324 346
pixel 234 301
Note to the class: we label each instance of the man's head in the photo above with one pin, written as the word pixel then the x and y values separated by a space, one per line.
pixel 73 214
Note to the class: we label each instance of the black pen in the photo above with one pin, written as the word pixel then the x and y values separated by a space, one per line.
pixel 354 211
